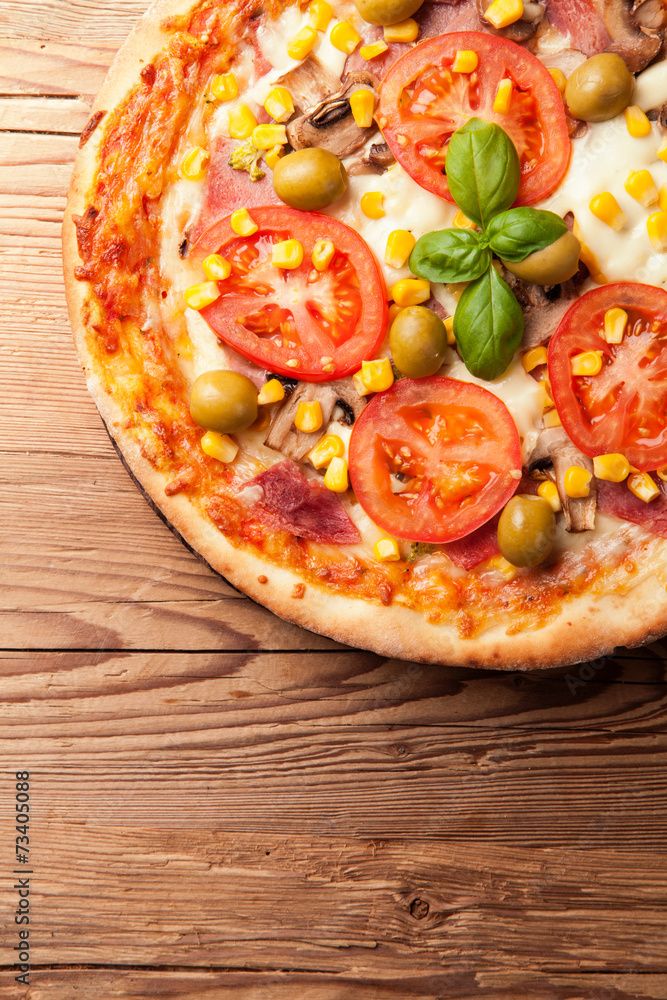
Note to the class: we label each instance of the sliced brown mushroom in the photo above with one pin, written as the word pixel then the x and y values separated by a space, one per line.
pixel 650 15
pixel 553 455
pixel 521 30
pixel 330 124
pixel 628 39
pixel 295 444
pixel 379 159
pixel 543 307
pixel 309 83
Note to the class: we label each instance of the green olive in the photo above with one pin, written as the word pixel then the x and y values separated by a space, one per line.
pixel 387 11
pixel 418 341
pixel 550 266
pixel 599 88
pixel 526 530
pixel 223 401
pixel 309 178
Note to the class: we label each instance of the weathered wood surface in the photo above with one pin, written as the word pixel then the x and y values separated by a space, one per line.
pixel 224 805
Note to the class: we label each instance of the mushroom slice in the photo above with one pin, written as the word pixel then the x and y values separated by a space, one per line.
pixel 543 307
pixel 309 83
pixel 330 124
pixel 650 15
pixel 553 455
pixel 349 400
pixel 284 437
pixel 627 38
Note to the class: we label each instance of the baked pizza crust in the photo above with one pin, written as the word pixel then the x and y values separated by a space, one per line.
pixel 587 625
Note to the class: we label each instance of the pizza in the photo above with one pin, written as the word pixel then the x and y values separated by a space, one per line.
pixel 371 299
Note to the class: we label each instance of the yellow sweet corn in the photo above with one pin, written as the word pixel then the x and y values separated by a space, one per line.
pixel 359 385
pixel 328 447
pixel 605 208
pixel 577 481
pixel 643 486
pixel 199 296
pixel 400 244
pixel 547 401
pixel 323 254
pixel 661 473
pixel 371 204
pixel 241 122
pixel 302 43
pixel 615 322
pixel 194 164
pixel 386 550
pixel 411 291
pixel 225 87
pixel 335 478
pixel 216 268
pixel 279 105
pixel 641 187
pixel 320 13
pixel 588 363
pixel 373 50
pixel 548 491
pixel 271 392
pixel 503 98
pixel 551 419
pixel 502 13
pixel 449 330
pixel 662 151
pixel 656 225
pixel 242 222
pixel 614 468
pixel 534 357
pixel 268 136
pixel 362 104
pixel 272 156
pixel 344 37
pixel 558 78
pixel 377 375
pixel 288 254
pixel 465 61
pixel 637 122
pixel 219 446
pixel 501 565
pixel 402 31
pixel 662 198
pixel 461 221
pixel 392 313
pixel 308 416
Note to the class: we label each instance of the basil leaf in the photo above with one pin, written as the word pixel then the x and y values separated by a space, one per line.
pixel 483 170
pixel 488 326
pixel 449 255
pixel 514 235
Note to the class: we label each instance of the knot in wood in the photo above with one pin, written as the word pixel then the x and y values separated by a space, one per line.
pixel 418 908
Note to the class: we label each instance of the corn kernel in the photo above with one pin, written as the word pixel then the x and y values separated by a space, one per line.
pixel 551 419
pixel 392 313
pixel 605 208
pixel 328 447
pixel 588 363
pixel 288 254
pixel 320 13
pixel 637 122
pixel 359 385
pixel 501 565
pixel 588 258
pixel 547 401
pixel 662 151
pixel 461 221
pixel 216 268
pixel 302 43
pixel 241 122
pixel 308 416
pixel 199 296
pixel 402 31
pixel 503 98
pixel 548 491
pixel 268 136
pixel 531 359
pixel 661 473
pixel 344 37
pixel 271 392
pixel 465 61
pixel 641 187
pixel 449 330
pixel 614 468
pixel 643 486
pixel 577 482
pixel 219 446
pixel 411 291
pixel 386 550
pixel 279 104
pixel 502 13
pixel 377 375
pixel 373 50
pixel 225 87
pixel 371 204
pixel 242 222
pixel 272 156
pixel 558 78
pixel 335 478
pixel 362 104
pixel 615 322
pixel 193 166
pixel 662 198
pixel 400 244
pixel 656 225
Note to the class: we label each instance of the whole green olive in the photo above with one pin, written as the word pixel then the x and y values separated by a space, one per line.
pixel 387 11
pixel 526 530
pixel 418 341
pixel 223 401
pixel 557 262
pixel 599 88
pixel 309 178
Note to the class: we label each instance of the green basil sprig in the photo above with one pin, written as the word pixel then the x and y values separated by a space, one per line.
pixel 488 325
pixel 450 255
pixel 483 170
pixel 514 235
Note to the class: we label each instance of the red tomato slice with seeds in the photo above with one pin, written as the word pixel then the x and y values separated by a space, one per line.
pixel 450 447
pixel 622 409
pixel 307 324
pixel 423 102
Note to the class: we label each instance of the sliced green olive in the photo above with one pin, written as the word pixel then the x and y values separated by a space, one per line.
pixel 599 89
pixel 223 401
pixel 550 266
pixel 387 11
pixel 418 341
pixel 309 179
pixel 526 530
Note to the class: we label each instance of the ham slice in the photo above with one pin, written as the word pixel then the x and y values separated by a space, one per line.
pixel 579 21
pixel 303 507
pixel 616 499
pixel 477 547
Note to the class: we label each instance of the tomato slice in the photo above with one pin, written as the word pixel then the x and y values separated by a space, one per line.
pixel 423 101
pixel 327 322
pixel 624 407
pixel 454 447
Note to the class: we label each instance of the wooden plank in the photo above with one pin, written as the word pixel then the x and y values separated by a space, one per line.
pixel 92 21
pixel 69 68
pixel 43 114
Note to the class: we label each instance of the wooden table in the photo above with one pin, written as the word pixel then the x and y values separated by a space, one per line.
pixel 225 806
